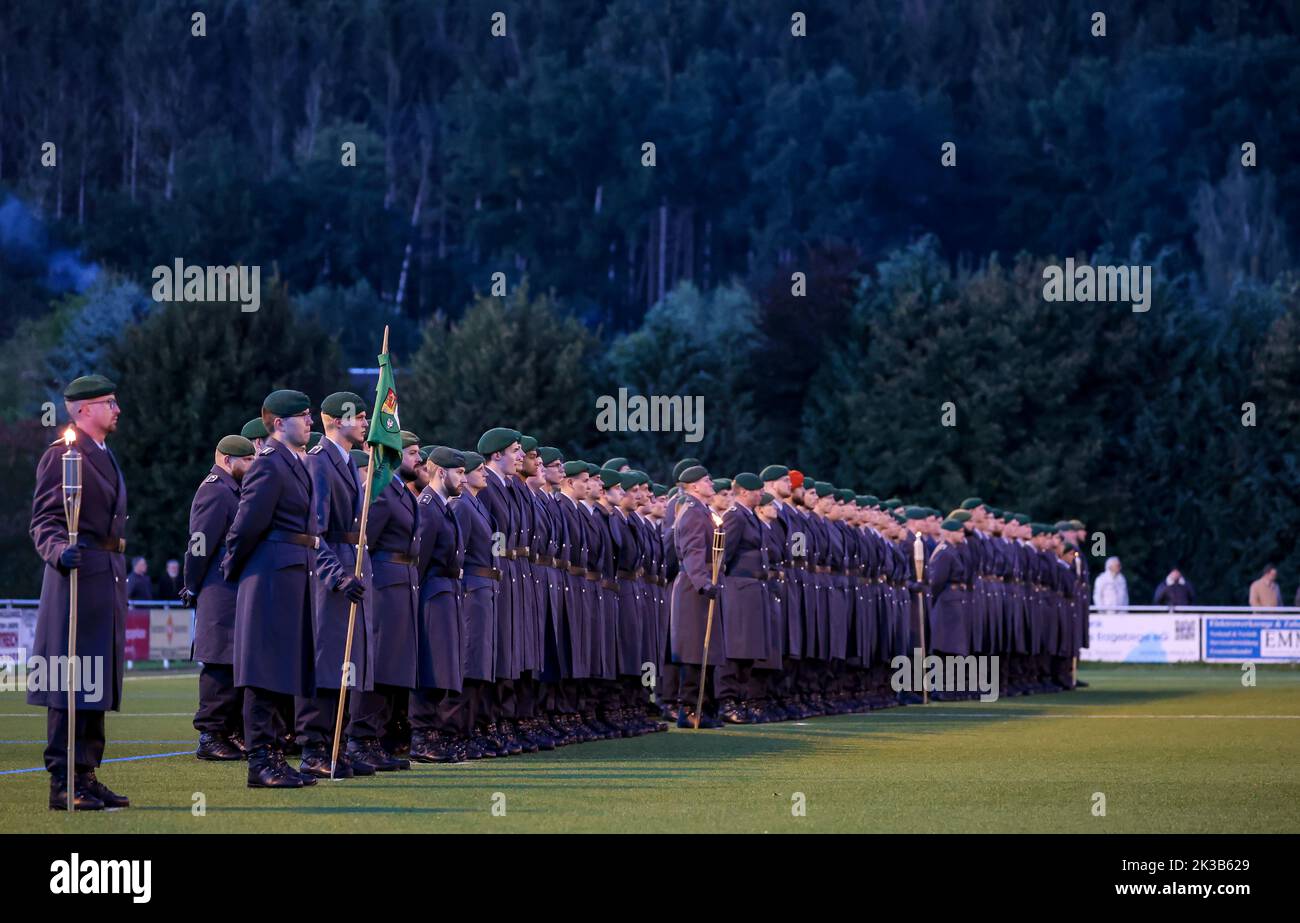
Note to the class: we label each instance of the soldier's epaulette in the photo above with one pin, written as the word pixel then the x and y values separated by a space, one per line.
pixel 426 498
pixel 267 450
pixel 210 479
pixel 315 451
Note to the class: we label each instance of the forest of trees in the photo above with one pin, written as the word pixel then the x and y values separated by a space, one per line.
pixel 523 154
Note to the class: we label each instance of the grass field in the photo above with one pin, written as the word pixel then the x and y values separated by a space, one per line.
pixel 1173 748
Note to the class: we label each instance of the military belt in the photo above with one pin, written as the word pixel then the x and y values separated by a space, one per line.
pixel 750 574
pixel 115 545
pixel 490 572
pixel 577 571
pixel 294 538
pixel 609 584
pixel 450 572
pixel 592 575
pixel 342 538
pixel 628 574
pixel 392 557
pixel 545 560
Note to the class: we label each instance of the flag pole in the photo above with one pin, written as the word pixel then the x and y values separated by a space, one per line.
pixel 352 608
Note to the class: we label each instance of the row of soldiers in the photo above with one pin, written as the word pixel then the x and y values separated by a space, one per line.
pixel 511 600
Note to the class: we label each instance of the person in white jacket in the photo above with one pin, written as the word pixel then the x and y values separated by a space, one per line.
pixel 1110 591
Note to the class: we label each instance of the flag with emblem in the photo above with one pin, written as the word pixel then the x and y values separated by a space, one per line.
pixel 385 428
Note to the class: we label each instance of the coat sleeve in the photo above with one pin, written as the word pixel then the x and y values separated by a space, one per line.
pixel 49 527
pixel 381 510
pixel 207 518
pixel 732 527
pixel 258 495
pixel 694 546
pixel 1162 592
pixel 941 570
pixel 327 561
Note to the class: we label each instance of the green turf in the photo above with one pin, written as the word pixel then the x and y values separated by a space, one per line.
pixel 1173 748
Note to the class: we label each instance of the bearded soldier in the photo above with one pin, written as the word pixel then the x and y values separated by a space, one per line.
pixel 92 406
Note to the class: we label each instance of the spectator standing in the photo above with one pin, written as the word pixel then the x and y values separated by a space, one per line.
pixel 170 583
pixel 1175 591
pixel 1110 589
pixel 1264 592
pixel 138 584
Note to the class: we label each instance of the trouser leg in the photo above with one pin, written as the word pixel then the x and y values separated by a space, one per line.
pixel 88 743
pixel 220 702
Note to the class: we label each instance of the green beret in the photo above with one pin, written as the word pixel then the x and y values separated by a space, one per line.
pixel 971 502
pixel 528 443
pixel 821 488
pixel 609 477
pixel 692 474
pixel 574 468
pixel 472 460
pixel 633 478
pixel 871 500
pixel 343 402
pixel 87 387
pixel 445 457
pixel 899 516
pixel 497 439
pixel 1070 546
pixel 993 511
pixel 950 525
pixel 409 439
pixel 424 452
pixel 593 469
pixel 844 494
pixel 682 466
pixel 360 456
pixel 892 503
pixel 722 484
pixel 915 512
pixel 773 472
pixel 1061 526
pixel 861 500
pixel 286 403
pixel 616 463
pixel 765 498
pixel 254 429
pixel 960 515
pixel 659 490
pixel 673 491
pixel 1022 518
pixel 748 481
pixel 1075 524
pixel 549 454
pixel 313 439
pixel 235 446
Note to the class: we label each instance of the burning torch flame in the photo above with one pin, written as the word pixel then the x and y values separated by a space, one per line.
pixel 69 436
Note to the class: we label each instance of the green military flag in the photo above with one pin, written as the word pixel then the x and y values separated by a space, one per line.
pixel 385 428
